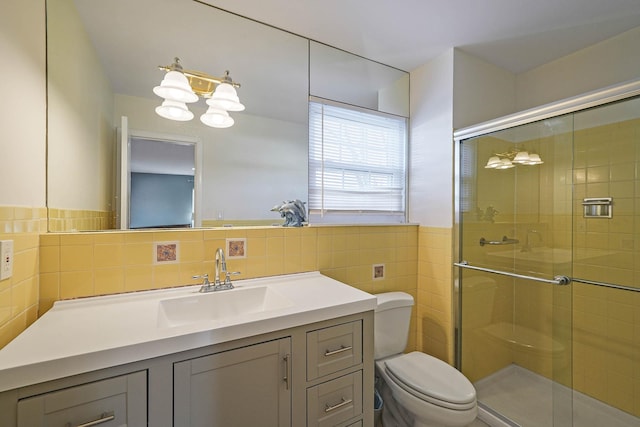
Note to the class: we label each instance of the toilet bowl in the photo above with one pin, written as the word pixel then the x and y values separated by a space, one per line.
pixel 419 390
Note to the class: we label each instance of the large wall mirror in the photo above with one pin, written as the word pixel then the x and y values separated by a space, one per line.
pixel 341 76
pixel 103 58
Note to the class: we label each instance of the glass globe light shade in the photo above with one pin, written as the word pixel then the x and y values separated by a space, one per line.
pixel 216 118
pixel 174 110
pixel 534 159
pixel 226 98
pixel 493 162
pixel 175 87
pixel 521 157
pixel 505 164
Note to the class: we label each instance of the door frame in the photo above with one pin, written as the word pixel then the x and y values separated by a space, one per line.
pixel 123 170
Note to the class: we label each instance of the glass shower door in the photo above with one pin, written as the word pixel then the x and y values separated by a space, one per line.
pixel 516 238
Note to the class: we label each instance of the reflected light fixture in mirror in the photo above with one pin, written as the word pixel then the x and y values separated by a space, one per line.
pixel 181 86
pixel 511 159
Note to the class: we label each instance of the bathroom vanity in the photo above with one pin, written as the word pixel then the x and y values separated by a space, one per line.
pixel 290 350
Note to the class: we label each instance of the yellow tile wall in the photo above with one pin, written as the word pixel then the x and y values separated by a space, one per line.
pixel 19 293
pixel 606 345
pixel 606 322
pixel 606 161
pixel 434 323
pixel 84 264
pixel 240 222
pixel 80 220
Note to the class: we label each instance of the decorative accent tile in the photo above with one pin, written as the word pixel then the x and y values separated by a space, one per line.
pixel 378 271
pixel 165 252
pixel 236 248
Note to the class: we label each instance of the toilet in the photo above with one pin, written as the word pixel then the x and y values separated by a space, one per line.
pixel 418 390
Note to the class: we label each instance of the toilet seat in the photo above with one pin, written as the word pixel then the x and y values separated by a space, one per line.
pixel 432 380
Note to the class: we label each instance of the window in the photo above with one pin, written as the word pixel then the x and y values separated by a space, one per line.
pixel 357 164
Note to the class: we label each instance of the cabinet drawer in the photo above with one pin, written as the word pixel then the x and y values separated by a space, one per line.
pixel 335 401
pixel 334 348
pixel 118 401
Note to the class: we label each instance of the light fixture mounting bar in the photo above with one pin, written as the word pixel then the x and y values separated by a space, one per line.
pixel 202 84
pixel 508 154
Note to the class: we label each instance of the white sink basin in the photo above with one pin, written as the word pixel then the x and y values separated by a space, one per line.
pixel 221 305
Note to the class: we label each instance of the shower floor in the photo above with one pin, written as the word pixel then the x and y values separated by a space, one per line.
pixel 527 400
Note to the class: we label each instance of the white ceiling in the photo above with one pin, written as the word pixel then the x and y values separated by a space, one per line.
pixel 514 34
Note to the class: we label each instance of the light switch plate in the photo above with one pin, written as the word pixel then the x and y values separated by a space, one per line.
pixel 6 259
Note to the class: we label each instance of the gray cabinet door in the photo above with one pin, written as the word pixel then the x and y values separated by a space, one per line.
pixel 114 402
pixel 248 386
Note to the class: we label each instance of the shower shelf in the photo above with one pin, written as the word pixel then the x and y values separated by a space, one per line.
pixel 600 207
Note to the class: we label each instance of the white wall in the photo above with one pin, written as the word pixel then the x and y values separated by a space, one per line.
pixel 393 99
pixel 81 132
pixel 23 110
pixel 612 61
pixel 481 91
pixel 457 90
pixel 431 146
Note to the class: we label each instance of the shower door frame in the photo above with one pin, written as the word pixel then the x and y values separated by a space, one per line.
pixel 567 106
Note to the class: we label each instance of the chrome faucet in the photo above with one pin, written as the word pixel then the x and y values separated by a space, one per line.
pixel 221 267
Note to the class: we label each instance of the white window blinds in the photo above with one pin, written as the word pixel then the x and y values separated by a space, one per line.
pixel 357 160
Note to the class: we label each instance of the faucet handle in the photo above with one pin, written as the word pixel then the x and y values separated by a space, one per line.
pixel 204 277
pixel 227 276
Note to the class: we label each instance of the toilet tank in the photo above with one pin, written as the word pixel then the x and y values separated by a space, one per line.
pixel 391 323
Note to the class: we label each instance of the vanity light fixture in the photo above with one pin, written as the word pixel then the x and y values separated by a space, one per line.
pixel 181 86
pixel 512 158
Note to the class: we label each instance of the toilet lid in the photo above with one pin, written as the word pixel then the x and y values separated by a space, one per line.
pixel 432 380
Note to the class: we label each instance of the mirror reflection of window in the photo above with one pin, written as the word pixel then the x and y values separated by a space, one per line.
pixel 357 164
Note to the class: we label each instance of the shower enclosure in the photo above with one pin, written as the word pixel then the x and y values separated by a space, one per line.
pixel 548 262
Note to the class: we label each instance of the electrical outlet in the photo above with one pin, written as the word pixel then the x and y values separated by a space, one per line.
pixel 6 259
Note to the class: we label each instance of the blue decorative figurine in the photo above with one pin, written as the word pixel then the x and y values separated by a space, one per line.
pixel 293 212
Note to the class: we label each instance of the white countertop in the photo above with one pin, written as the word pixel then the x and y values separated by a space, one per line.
pixel 84 335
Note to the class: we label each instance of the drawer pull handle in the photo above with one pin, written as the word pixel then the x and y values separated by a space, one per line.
pixel 343 402
pixel 104 418
pixel 340 350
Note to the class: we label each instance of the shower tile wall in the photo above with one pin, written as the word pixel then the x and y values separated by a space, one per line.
pixel 605 166
pixel 606 322
pixel 603 343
